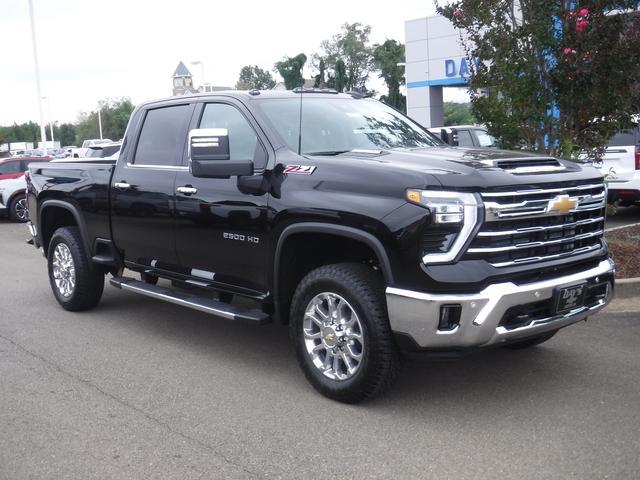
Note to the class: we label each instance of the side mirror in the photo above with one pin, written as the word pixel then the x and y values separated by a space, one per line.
pixel 209 155
pixel 454 138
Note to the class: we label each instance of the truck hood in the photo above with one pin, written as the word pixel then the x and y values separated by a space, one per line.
pixel 475 169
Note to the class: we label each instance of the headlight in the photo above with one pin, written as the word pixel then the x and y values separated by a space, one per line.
pixel 450 211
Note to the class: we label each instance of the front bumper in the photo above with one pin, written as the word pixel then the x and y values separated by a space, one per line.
pixel 483 315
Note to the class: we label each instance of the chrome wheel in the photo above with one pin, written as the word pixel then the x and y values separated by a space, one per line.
pixel 21 210
pixel 64 271
pixel 333 336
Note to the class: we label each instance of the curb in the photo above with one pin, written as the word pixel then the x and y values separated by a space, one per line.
pixel 627 287
pixel 619 227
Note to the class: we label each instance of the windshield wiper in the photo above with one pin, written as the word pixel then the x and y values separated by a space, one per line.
pixel 328 152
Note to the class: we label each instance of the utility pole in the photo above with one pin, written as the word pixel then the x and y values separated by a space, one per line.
pixel 43 134
pixel 201 63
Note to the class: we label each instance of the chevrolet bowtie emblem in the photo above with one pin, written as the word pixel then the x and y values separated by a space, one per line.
pixel 562 204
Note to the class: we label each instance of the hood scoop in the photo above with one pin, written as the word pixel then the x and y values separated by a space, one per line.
pixel 528 165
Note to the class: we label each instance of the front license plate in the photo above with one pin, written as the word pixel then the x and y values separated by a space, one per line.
pixel 570 298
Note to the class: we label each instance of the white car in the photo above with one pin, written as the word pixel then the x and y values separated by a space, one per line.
pixel 621 167
pixel 467 136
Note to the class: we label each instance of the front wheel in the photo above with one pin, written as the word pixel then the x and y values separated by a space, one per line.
pixel 341 333
pixel 18 209
pixel 76 283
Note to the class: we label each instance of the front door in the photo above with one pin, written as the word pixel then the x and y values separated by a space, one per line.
pixel 142 199
pixel 220 231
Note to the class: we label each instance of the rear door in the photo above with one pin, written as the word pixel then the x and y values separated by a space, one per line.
pixel 618 162
pixel 142 199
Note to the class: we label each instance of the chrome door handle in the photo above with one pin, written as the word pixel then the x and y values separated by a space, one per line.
pixel 122 185
pixel 187 190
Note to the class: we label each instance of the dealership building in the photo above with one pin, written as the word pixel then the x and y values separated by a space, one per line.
pixel 435 60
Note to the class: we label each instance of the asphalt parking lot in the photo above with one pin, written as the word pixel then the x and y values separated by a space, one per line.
pixel 142 389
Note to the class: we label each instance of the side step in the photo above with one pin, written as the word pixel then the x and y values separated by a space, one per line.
pixel 188 299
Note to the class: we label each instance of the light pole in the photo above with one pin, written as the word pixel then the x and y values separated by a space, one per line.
pixel 100 119
pixel 50 122
pixel 201 63
pixel 43 134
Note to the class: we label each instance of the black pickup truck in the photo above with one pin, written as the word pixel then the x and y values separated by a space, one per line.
pixel 333 214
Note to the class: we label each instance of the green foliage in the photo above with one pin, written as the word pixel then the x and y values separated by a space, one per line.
pixel 536 56
pixel 290 69
pixel 386 58
pixel 115 115
pixel 24 132
pixel 66 134
pixel 254 78
pixel 349 48
pixel 458 114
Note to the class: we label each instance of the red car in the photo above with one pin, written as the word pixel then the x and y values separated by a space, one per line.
pixel 12 185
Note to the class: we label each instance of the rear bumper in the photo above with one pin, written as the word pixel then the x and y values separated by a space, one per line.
pixel 482 315
pixel 627 191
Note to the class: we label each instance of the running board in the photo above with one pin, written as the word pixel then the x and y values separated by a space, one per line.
pixel 188 299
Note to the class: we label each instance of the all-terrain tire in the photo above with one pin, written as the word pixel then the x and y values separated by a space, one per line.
pixel 363 290
pixel 68 260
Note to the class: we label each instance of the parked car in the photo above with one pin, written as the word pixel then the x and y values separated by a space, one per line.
pixel 468 136
pixel 366 235
pixel 621 167
pixel 13 185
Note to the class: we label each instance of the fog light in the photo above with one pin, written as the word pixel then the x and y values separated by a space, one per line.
pixel 449 317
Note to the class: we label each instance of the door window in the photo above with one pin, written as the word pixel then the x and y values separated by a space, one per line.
pixel 10 167
pixel 243 141
pixel 163 136
pixel 464 138
pixel 484 139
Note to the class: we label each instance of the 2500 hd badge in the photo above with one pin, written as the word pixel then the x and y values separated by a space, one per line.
pixel 240 237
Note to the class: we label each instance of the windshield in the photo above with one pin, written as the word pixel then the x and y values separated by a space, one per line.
pixel 335 125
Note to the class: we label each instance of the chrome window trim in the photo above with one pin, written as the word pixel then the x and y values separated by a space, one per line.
pixel 158 167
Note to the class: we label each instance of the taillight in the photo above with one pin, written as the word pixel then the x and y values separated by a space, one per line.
pixel 638 158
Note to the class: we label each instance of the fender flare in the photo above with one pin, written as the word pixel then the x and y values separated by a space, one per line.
pixel 76 215
pixel 331 229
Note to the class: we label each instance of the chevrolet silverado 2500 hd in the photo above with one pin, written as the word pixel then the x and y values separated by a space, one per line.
pixel 333 214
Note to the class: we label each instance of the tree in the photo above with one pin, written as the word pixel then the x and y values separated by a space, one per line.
pixel 548 75
pixel 290 69
pixel 386 58
pixel 66 134
pixel 115 115
pixel 351 48
pixel 254 78
pixel 458 114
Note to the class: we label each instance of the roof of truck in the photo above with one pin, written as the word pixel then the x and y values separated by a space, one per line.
pixel 257 95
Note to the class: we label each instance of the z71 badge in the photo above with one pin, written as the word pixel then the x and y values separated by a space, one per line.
pixel 299 169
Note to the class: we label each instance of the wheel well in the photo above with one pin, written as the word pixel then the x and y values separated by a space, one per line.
pixel 52 218
pixel 303 252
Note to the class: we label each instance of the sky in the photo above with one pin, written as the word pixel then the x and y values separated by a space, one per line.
pixel 90 50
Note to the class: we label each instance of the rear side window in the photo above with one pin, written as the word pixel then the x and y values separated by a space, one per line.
pixel 624 139
pixel 163 136
pixel 9 168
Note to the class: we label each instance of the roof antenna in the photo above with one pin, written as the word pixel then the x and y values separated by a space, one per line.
pixel 300 120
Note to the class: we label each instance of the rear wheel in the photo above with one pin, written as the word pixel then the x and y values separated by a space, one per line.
pixel 531 342
pixel 76 283
pixel 18 209
pixel 341 334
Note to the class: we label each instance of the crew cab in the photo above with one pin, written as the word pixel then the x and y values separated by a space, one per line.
pixel 335 215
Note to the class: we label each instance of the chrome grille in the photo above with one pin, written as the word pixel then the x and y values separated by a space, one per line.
pixel 527 226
